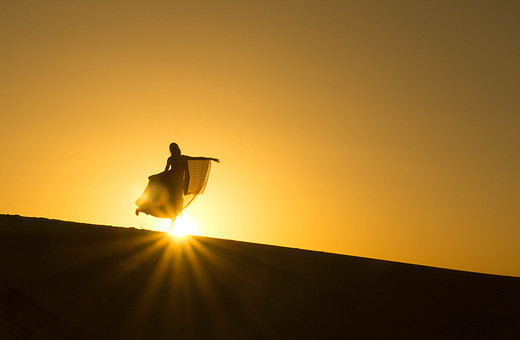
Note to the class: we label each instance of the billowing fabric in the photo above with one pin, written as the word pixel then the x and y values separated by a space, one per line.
pixel 199 173
pixel 165 194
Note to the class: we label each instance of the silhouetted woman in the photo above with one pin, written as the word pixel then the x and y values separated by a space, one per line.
pixel 164 195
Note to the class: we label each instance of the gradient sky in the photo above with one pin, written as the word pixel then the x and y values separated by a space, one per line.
pixel 384 129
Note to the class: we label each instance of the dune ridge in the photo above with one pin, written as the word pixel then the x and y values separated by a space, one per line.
pixel 110 282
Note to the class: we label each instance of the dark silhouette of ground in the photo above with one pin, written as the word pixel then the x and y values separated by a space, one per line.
pixel 107 282
pixel 21 318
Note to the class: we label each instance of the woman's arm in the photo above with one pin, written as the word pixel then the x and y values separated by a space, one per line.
pixel 202 158
pixel 168 164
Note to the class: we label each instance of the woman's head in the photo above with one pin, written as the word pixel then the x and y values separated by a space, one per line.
pixel 175 150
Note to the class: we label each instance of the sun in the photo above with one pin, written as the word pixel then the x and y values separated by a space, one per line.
pixel 183 226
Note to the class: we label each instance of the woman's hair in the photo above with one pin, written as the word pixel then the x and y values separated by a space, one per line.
pixel 175 150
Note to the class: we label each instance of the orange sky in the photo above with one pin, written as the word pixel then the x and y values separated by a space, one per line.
pixel 374 128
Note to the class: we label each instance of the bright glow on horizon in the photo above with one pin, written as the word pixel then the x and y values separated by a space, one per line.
pixel 183 226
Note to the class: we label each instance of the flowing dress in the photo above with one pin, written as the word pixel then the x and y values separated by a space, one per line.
pixel 169 192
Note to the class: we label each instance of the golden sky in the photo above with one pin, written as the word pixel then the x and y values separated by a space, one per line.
pixel 384 129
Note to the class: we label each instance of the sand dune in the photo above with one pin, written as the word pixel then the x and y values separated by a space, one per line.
pixel 64 279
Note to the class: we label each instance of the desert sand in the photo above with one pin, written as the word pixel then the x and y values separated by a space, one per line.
pixel 71 280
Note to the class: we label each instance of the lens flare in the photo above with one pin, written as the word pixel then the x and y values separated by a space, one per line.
pixel 183 226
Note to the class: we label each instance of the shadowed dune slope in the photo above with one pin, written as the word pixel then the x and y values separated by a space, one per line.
pixel 108 282
pixel 21 318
